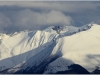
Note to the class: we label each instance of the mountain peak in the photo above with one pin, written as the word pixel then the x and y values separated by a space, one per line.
pixel 70 30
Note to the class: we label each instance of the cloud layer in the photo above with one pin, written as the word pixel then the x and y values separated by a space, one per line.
pixel 17 16
pixel 63 6
pixel 4 22
pixel 31 20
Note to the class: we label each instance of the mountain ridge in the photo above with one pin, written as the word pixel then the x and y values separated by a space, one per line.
pixel 70 42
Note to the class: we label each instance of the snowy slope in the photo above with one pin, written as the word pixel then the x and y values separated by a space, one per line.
pixel 32 48
pixel 20 47
pixel 82 48
pixel 34 61
pixel 23 45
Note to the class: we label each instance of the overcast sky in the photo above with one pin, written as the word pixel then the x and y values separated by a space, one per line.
pixel 32 15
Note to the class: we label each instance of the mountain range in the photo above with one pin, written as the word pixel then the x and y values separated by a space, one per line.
pixel 54 50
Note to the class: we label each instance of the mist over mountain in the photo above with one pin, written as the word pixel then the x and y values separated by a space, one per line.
pixel 49 37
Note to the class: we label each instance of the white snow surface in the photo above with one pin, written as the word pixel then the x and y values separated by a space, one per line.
pixel 80 47
pixel 20 47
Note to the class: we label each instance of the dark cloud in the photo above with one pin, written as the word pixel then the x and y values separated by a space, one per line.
pixel 16 16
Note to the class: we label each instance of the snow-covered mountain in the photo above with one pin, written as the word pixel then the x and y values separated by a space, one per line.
pixel 51 50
